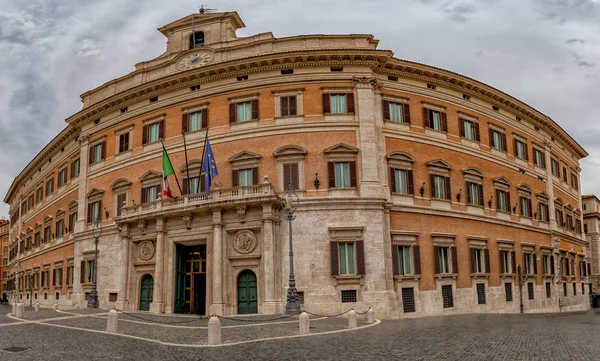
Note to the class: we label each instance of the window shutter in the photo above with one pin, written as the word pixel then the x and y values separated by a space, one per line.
pixel 461 125
pixel 491 134
pixel 513 258
pixel 448 190
pixel 526 151
pixel 145 134
pixel 295 177
pixel 235 178
pixel 497 199
pixel 417 258
pixel 508 201
pixel 454 260
pixel 504 142
pixel 486 255
pixel 185 122
pixel 395 266
pixel 436 259
pixel 426 123
pixel 202 184
pixel 501 262
pixel 543 160
pixel 89 213
pixel 529 207
pixel 232 113
pixel 472 252
pixel 205 118
pixel 326 104
pixel 186 186
pixel 285 109
pixel 91 155
pixel 480 195
pixel 93 273
pixel 360 257
pixel 523 265
pixel 432 180
pixel 392 180
pixel 350 102
pixel 352 167
pixel 54 277
pixel 589 269
pixel 333 255
pixel 515 141
pixel 406 113
pixel 144 196
pixel 287 175
pixel 476 131
pixel 386 114
pixel 72 169
pixel 255 176
pixel 534 260
pixel 331 171
pixel 81 272
pixel 468 192
pixel 254 108
pixel 444 121
pixel 411 185
pixel 161 129
pixel 293 110
pixel 126 145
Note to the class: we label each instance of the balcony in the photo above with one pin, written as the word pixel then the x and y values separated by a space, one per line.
pixel 222 198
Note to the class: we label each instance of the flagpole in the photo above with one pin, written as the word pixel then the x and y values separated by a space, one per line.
pixel 175 174
pixel 187 166
pixel 202 161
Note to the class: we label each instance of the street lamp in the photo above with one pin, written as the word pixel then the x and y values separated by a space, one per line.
pixel 93 297
pixel 522 277
pixel 289 204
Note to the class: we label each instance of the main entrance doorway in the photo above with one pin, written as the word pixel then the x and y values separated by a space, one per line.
pixel 146 291
pixel 247 299
pixel 190 280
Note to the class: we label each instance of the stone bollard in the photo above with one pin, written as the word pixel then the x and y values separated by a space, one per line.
pixel 55 306
pixel 14 308
pixel 20 310
pixel 370 315
pixel 77 305
pixel 36 307
pixel 112 321
pixel 214 331
pixel 352 319
pixel 304 323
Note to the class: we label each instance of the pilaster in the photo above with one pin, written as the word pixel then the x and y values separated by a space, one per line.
pixel 217 264
pixel 84 142
pixel 123 283
pixel 157 305
pixel 550 187
pixel 270 304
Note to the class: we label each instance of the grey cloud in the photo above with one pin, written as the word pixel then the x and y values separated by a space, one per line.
pixel 459 13
pixel 575 41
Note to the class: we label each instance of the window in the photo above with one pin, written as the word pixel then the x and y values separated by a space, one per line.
pixel 47 234
pixel 196 40
pixel 574 181
pixel 559 217
pixel 37 239
pixel 404 260
pixel 539 158
pixel 57 277
pixel 477 261
pixel 548 264
pixel 525 205
pixel 288 106
pixel 60 227
pixel 475 194
pixel 435 119
pixel 245 177
pixel 121 202
pixel 564 174
pixel 555 168
pixel 469 130
pixel 502 200
pixel 124 142
pixel 396 112
pixel 153 132
pixel 521 149
pixel 578 224
pixel 574 289
pixel 192 122
pixel 194 185
pixel 506 258
pixel 97 152
pixel 30 201
pixel 243 111
pixel 72 221
pixel 348 296
pixel 530 290
pixel 94 209
pixel 481 293
pixel 569 221
pixel 75 168
pixel 497 140
pixel 340 103
pixel 443 264
pixel 87 271
pixel 402 181
pixel 528 264
pixel 39 194
pixel 440 187
pixel 543 212
pixel 62 177
pixel 342 174
pixel 346 258
pixel 70 274
pixel 447 299
pixel 408 299
pixel 564 290
pixel 150 194
pixel 290 175
pixel 49 186
pixel 299 293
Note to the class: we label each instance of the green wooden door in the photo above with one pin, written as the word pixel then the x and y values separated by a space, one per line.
pixel 146 290
pixel 181 255
pixel 247 294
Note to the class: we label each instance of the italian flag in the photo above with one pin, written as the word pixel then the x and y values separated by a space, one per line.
pixel 167 171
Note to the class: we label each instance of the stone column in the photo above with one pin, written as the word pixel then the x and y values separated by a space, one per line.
pixel 550 187
pixel 270 305
pixel 123 282
pixel 217 263
pixel 84 142
pixel 169 275
pixel 157 305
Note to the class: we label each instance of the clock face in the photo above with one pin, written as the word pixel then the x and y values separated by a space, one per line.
pixel 194 60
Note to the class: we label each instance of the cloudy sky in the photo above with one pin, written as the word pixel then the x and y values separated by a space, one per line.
pixel 544 52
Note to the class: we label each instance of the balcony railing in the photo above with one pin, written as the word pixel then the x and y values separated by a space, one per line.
pixel 216 195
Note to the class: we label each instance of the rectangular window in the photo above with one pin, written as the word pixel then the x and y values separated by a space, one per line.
pixel 62 177
pixel 95 211
pixel 481 293
pixel 548 290
pixel 60 228
pixel 574 182
pixel 47 234
pixel 299 293
pixel 396 112
pixel 530 290
pixel 543 212
pixel 342 175
pixel 58 277
pixel 37 238
pixel 447 299
pixel 435 120
pixel 506 262
pixel 121 202
pixel 89 271
pixel 39 194
pixel 559 217
pixel 244 111
pixel 502 200
pixel 444 259
pixel 153 132
pixel 348 296
pixel 151 193
pixel 49 186
pixel 408 299
pixel 475 194
pixel 70 273
pixel 346 258
pixel 75 168
pixel 30 201
pixel 337 103
pixel 439 186
pixel 470 130
pixel 401 178
pixel 546 264
pixel 72 221
pixel 195 121
pixel 477 259
pixel 574 289
pixel 582 289
pixel 527 258
pixel 538 157
pixel 245 177
pixel 565 176
pixel 404 260
pixel 291 176
pixel 97 152
pixel 525 204
pixel 288 106
pixel 555 169
pixel 564 289
pixel 124 142
pixel 497 139
pixel 520 149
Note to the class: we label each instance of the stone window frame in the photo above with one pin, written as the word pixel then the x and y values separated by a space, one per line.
pixel 480 243
pixel 446 240
pixel 150 179
pixel 508 246
pixel 568 213
pixel 519 138
pixel 87 257
pixel 233 101
pixel 36 278
pixel 462 117
pixel 502 184
pixel 547 251
pixel 57 265
pixel 407 239
pixel 341 90
pixel 118 187
pixel 93 144
pixel 125 130
pixel 73 208
pixel 529 249
pixel 60 215
pixel 440 168
pixel 70 268
pixel 48 222
pixel 396 99
pixel 525 191
pixel 343 153
pixel 146 123
pixel 93 196
pixel 298 93
pixel 196 108
pixel 442 109
pixel 45 283
pixel 503 141
pixel 558 206
pixel 49 180
pixel 534 147
pixel 29 241
pixel 39 194
pixel 348 234
pixel 37 229
pixel 290 154
pixel 577 220
pixel 72 166
pixel 402 161
pixel 242 161
pixel 62 168
pixel 474 175
pixel 542 198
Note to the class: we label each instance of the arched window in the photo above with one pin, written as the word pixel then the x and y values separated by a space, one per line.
pixel 197 39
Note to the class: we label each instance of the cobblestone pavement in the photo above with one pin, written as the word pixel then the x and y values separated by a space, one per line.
pixel 571 336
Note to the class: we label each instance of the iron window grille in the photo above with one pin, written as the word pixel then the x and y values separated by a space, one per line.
pixel 481 294
pixel 447 299
pixel 408 299
pixel 349 296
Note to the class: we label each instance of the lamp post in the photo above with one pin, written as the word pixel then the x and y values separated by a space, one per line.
pixel 522 278
pixel 289 203
pixel 93 297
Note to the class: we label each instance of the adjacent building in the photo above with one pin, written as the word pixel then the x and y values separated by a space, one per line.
pixel 420 191
pixel 4 225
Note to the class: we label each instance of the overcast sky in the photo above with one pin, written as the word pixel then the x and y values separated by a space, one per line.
pixel 543 52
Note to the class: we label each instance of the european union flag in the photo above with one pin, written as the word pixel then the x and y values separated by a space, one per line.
pixel 209 166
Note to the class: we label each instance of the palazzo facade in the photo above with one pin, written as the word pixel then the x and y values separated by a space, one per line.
pixel 421 191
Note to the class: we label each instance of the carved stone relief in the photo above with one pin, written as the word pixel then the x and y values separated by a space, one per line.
pixel 244 241
pixel 146 250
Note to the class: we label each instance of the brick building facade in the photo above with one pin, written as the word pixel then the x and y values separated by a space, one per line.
pixel 421 191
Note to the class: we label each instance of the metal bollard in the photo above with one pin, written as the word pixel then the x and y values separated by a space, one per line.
pixel 14 309
pixel 370 315
pixel 304 323
pixel 36 307
pixel 214 331
pixel 112 321
pixel 20 310
pixel 352 319
pixel 55 306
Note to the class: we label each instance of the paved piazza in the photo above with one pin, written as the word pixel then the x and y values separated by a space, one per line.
pixel 78 334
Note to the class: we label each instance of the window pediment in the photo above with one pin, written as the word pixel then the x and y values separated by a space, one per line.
pixel 341 149
pixel 524 188
pixel 558 201
pixel 47 219
pixel 244 155
pixel 151 175
pixel 543 196
pixel 472 171
pixel 120 183
pixel 73 205
pixel 438 165
pixel 95 192
pixel 290 150
pixel 502 181
pixel 568 207
pixel 60 212
pixel 401 156
pixel 193 164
